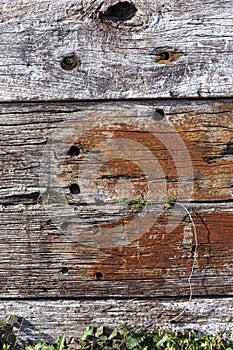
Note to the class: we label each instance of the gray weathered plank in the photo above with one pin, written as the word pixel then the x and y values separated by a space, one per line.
pixel 119 58
pixel 49 318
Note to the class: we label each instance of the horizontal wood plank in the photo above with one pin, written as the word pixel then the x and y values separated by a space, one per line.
pixel 157 49
pixel 203 129
pixel 48 318
pixel 39 260
pixel 74 245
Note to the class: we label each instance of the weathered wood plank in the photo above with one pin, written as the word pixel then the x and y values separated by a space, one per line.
pixel 205 128
pixel 38 260
pixel 51 318
pixel 76 246
pixel 149 49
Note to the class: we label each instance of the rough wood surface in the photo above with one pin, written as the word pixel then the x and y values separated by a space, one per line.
pixel 205 127
pixel 128 239
pixel 46 256
pixel 37 261
pixel 147 49
pixel 51 318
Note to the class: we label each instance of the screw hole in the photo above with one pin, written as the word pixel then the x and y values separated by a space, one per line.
pixel 74 189
pixel 70 62
pixel 122 11
pixel 64 270
pixel 74 151
pixel 164 56
pixel 159 114
pixel 99 276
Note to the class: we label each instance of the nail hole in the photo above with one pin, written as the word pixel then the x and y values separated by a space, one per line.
pixel 159 114
pixel 99 276
pixel 122 11
pixel 74 151
pixel 64 270
pixel 74 189
pixel 70 62
pixel 164 56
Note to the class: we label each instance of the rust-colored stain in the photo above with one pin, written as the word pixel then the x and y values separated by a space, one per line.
pixel 156 254
pixel 119 168
pixel 167 56
pixel 211 171
pixel 113 171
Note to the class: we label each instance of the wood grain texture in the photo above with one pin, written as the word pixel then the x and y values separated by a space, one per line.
pixel 38 261
pixel 206 129
pixel 73 316
pixel 104 247
pixel 118 57
pixel 45 257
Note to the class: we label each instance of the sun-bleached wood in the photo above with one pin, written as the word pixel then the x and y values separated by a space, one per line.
pixel 47 319
pixel 119 59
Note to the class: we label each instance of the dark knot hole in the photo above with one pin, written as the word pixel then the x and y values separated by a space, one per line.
pixel 122 11
pixel 164 56
pixel 70 62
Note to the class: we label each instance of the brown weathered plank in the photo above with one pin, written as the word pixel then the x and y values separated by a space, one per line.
pixel 38 260
pixel 206 128
pixel 76 246
pixel 167 49
pixel 49 318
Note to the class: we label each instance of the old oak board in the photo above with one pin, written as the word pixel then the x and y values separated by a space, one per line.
pixel 116 164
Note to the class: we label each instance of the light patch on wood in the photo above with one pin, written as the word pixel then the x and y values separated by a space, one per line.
pixel 116 60
pixel 209 316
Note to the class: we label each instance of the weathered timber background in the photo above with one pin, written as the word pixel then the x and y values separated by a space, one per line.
pixel 74 74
